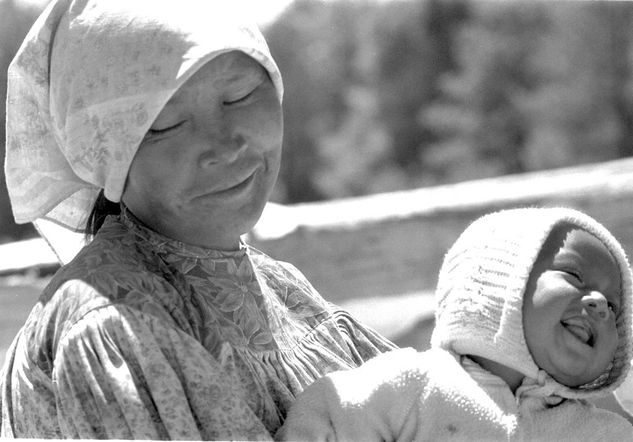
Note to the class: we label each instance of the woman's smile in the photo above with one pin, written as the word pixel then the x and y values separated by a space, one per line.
pixel 232 190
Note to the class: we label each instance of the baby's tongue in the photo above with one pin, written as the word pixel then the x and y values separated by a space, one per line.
pixel 578 331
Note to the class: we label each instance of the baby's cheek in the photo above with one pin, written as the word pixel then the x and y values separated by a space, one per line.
pixel 612 339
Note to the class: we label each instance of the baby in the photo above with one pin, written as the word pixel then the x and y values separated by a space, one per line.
pixel 533 317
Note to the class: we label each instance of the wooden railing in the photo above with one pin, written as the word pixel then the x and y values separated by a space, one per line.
pixel 392 244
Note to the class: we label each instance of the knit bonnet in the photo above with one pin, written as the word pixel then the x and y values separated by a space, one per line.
pixel 479 296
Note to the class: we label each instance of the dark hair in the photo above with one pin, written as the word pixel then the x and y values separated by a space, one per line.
pixel 101 209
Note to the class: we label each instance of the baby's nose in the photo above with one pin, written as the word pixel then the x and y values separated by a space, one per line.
pixel 596 305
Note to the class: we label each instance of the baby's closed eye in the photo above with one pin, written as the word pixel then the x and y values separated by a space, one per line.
pixel 575 274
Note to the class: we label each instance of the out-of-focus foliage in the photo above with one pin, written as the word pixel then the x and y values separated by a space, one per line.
pixel 405 93
pixel 582 110
pixel 412 93
pixel 356 74
pixel 479 120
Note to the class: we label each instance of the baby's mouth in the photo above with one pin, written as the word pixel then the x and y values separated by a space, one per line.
pixel 580 329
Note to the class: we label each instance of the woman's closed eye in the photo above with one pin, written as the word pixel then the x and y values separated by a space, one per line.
pixel 240 98
pixel 155 131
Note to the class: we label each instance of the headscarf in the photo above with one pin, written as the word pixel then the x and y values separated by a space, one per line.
pixel 86 85
pixel 482 283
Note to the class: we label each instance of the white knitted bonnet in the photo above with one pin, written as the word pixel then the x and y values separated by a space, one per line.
pixel 479 296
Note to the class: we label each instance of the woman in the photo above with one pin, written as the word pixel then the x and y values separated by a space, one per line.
pixel 156 128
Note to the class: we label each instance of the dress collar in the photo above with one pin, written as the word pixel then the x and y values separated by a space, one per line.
pixel 164 244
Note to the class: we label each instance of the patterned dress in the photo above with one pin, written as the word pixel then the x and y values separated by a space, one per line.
pixel 144 337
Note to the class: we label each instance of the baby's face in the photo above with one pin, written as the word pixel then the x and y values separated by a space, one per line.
pixel 570 307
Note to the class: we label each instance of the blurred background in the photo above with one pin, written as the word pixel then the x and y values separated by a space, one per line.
pixel 390 95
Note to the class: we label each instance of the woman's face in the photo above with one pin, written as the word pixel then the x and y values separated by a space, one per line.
pixel 207 166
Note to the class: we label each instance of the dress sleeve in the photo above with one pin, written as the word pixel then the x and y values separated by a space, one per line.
pixel 362 342
pixel 122 374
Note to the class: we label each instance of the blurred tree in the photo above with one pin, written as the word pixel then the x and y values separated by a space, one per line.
pixel 414 44
pixel 357 158
pixel 403 48
pixel 357 155
pixel 378 64
pixel 16 18
pixel 583 109
pixel 480 120
pixel 312 43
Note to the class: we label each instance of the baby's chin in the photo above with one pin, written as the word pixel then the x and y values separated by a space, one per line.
pixel 576 380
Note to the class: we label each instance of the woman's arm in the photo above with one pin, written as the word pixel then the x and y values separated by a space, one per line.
pixel 123 374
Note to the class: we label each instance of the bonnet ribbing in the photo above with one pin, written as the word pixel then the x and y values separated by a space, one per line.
pixel 479 296
pixel 87 83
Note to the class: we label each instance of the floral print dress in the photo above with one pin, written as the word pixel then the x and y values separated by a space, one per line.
pixel 144 337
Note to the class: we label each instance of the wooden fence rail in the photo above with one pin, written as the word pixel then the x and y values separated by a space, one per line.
pixel 392 244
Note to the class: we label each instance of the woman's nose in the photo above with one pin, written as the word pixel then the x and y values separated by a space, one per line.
pixel 596 305
pixel 224 148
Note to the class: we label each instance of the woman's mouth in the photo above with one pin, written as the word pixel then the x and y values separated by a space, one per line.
pixel 240 185
pixel 230 190
pixel 580 329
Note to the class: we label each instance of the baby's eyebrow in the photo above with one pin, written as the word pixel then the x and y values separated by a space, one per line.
pixel 567 257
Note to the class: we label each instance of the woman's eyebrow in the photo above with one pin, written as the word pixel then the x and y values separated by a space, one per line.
pixel 241 77
pixel 174 100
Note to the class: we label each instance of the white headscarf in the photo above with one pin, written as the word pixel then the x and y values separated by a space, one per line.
pixel 88 82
